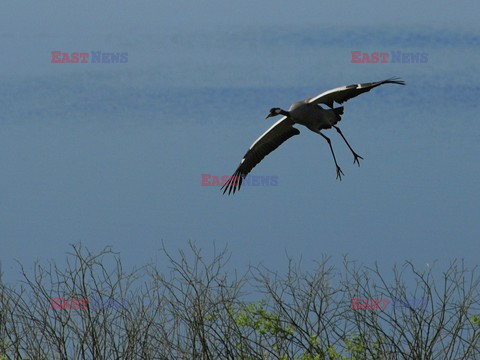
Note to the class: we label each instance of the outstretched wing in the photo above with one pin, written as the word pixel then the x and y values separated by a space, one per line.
pixel 347 92
pixel 281 131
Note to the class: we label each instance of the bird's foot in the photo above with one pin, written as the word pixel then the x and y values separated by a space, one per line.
pixel 339 173
pixel 356 157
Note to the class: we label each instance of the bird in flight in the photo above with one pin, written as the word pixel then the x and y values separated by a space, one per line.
pixel 309 113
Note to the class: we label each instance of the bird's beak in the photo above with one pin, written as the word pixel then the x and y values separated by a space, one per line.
pixel 269 115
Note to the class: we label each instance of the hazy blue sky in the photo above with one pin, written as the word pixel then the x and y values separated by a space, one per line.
pixel 112 154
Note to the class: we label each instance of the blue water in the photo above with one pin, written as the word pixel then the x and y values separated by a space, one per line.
pixel 112 154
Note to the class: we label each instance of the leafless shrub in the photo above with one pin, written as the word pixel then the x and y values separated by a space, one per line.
pixel 199 310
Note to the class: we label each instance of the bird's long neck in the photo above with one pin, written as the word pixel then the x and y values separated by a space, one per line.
pixel 283 112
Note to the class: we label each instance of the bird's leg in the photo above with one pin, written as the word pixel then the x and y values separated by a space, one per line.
pixel 339 171
pixel 355 155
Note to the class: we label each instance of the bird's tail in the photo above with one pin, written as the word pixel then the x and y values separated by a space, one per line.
pixel 338 111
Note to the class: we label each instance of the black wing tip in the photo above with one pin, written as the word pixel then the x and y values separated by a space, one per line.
pixel 394 80
pixel 233 183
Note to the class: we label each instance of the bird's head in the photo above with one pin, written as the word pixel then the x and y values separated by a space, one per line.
pixel 274 112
